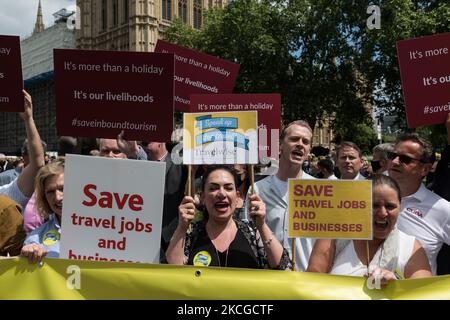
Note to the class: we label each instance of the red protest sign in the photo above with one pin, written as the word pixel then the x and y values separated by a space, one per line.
pixel 100 93
pixel 425 72
pixel 269 115
pixel 11 82
pixel 199 73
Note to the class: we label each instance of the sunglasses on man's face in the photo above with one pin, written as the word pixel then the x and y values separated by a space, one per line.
pixel 403 158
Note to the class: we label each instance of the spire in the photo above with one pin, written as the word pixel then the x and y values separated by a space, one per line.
pixel 39 25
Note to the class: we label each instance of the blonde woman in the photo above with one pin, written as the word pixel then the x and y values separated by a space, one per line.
pixel 44 241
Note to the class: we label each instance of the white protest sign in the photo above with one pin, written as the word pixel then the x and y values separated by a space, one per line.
pixel 112 209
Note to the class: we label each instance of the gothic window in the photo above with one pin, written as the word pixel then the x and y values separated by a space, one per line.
pixel 167 9
pixel 115 7
pixel 125 11
pixel 104 14
pixel 210 4
pixel 182 10
pixel 197 14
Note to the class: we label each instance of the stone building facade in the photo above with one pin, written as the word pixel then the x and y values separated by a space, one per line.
pixel 126 25
pixel 134 25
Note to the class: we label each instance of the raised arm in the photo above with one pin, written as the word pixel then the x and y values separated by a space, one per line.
pixel 130 148
pixel 25 181
pixel 322 256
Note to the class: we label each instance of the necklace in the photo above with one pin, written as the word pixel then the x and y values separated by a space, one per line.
pixel 228 249
pixel 226 257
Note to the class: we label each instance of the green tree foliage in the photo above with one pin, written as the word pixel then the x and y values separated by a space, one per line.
pixel 338 65
pixel 401 19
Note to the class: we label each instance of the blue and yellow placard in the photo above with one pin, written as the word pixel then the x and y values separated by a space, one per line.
pixel 330 209
pixel 220 138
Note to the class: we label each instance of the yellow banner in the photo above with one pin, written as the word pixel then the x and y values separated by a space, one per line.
pixel 70 279
pixel 330 209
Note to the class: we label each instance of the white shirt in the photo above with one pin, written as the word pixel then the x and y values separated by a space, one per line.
pixel 426 216
pixel 359 176
pixel 347 261
pixel 274 193
pixel 12 190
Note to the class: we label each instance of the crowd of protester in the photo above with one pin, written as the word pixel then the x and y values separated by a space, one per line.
pixel 228 223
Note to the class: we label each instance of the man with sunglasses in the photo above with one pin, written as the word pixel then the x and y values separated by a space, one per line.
pixel 381 162
pixel 424 214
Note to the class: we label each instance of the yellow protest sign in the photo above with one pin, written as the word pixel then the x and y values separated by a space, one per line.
pixel 220 138
pixel 330 209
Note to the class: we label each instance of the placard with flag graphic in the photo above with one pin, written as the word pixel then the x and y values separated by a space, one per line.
pixel 220 138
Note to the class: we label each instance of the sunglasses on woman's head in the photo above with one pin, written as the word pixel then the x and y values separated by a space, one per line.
pixel 403 158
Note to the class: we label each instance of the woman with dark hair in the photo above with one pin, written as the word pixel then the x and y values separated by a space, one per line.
pixel 392 254
pixel 219 239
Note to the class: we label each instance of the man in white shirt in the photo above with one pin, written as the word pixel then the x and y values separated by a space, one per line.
pixel 349 161
pixel 424 214
pixel 295 145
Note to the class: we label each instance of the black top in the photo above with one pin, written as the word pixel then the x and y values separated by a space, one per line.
pixel 238 255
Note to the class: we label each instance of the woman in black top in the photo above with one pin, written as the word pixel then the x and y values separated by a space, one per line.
pixel 218 239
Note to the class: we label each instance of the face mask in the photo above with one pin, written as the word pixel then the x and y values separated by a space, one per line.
pixel 375 166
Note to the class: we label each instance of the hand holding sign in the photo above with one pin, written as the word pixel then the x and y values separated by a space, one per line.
pixel 34 252
pixel 28 112
pixel 379 277
pixel 257 210
pixel 186 212
pixel 130 148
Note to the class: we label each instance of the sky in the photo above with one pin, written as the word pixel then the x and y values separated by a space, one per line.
pixel 17 17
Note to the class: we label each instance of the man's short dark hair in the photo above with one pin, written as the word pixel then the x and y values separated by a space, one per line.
pixel 66 144
pixel 427 147
pixel 348 144
pixel 326 164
